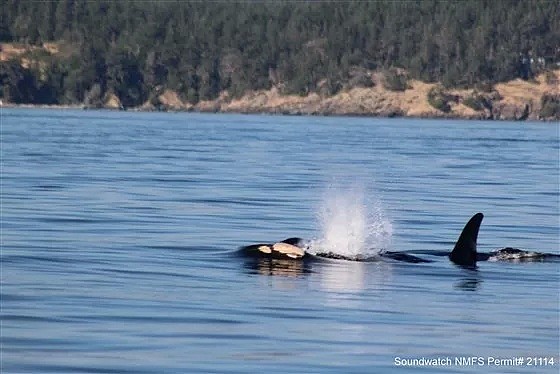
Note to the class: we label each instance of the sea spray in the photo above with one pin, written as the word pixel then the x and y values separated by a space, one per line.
pixel 351 223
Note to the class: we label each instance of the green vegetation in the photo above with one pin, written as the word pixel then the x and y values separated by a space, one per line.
pixel 439 99
pixel 477 102
pixel 393 80
pixel 550 106
pixel 199 49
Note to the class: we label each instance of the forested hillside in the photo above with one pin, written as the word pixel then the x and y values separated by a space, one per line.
pixel 137 49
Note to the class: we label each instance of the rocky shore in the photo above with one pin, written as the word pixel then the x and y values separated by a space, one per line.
pixel 537 99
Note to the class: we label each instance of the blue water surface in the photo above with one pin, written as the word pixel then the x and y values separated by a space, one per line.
pixel 119 233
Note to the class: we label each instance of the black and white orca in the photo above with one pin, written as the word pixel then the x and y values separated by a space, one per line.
pixel 291 248
pixel 463 254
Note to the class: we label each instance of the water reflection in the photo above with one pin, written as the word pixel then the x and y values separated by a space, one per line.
pixel 279 267
pixel 471 283
pixel 346 283
pixel 343 276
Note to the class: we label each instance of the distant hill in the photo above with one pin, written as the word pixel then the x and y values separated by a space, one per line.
pixel 149 53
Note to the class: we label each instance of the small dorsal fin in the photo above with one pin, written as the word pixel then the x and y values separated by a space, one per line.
pixel 464 252
pixel 293 241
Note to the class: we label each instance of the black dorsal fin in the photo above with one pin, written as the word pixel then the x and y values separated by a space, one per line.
pixel 293 241
pixel 464 252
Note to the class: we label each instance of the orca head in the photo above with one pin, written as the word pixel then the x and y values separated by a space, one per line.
pixel 291 248
pixel 464 252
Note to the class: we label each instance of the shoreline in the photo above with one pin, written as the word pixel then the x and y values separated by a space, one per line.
pixel 272 113
pixel 275 113
pixel 516 100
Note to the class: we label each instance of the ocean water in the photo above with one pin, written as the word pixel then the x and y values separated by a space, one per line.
pixel 120 231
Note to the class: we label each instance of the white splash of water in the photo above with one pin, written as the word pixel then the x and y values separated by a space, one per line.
pixel 351 224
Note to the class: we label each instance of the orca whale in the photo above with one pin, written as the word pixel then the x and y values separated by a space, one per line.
pixel 464 252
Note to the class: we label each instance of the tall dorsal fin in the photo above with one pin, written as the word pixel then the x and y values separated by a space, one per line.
pixel 464 252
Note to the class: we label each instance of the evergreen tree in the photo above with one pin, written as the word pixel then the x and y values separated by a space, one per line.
pixel 200 49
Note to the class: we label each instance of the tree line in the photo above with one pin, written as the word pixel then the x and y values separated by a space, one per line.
pixel 136 49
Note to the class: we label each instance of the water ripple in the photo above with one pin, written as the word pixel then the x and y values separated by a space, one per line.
pixel 119 237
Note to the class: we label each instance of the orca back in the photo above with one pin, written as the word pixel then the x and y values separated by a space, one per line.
pixel 298 242
pixel 464 252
